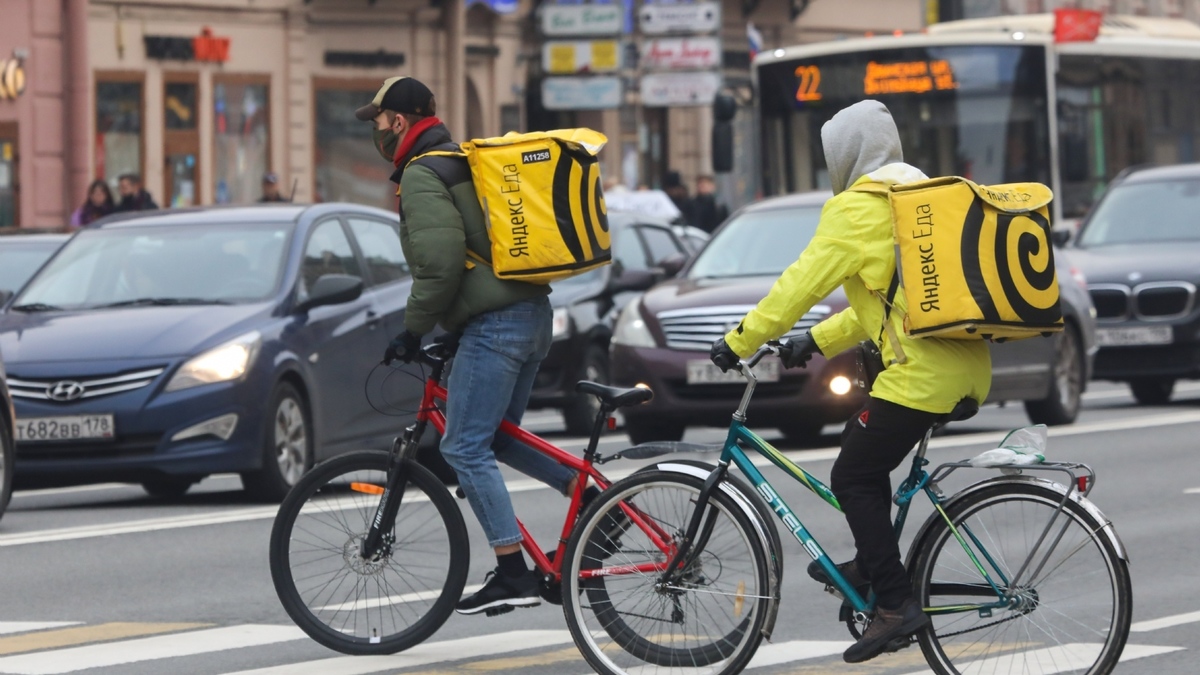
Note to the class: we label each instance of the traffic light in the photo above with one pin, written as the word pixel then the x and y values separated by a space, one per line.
pixel 724 110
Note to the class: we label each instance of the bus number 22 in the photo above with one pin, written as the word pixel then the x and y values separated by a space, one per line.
pixel 810 81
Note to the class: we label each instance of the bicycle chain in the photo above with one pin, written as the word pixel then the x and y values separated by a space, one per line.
pixel 986 625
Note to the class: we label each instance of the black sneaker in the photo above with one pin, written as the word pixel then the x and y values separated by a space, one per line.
pixel 889 631
pixel 501 594
pixel 849 570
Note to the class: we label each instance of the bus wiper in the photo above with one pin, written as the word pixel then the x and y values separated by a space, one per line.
pixel 36 307
pixel 161 302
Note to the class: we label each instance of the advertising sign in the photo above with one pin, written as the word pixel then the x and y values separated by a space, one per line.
pixel 699 17
pixel 681 53
pixel 573 57
pixel 677 89
pixel 581 20
pixel 581 93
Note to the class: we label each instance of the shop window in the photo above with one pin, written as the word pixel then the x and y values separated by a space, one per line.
pixel 242 139
pixel 181 138
pixel 348 167
pixel 9 205
pixel 118 129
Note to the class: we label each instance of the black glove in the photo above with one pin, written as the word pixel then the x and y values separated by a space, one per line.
pixel 797 351
pixel 403 347
pixel 722 355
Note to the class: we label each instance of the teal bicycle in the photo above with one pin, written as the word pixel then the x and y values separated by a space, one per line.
pixel 1020 573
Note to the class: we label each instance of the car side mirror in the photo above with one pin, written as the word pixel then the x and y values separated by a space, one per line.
pixel 632 280
pixel 1060 237
pixel 332 289
pixel 671 264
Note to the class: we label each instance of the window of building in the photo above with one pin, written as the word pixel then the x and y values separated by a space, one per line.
pixel 181 138
pixel 118 126
pixel 10 213
pixel 347 165
pixel 380 246
pixel 241 135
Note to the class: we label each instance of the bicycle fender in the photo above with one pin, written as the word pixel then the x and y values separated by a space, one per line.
pixel 1109 531
pixel 752 515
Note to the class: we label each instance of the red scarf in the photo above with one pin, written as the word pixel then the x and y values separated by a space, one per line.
pixel 410 139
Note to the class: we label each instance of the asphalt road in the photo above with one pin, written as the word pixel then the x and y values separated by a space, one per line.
pixel 102 579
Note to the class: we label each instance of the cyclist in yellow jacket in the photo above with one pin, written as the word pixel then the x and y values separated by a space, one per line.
pixel 923 378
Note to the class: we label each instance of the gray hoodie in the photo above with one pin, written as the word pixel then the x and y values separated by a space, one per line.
pixel 858 140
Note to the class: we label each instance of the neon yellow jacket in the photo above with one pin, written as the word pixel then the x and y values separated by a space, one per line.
pixel 853 248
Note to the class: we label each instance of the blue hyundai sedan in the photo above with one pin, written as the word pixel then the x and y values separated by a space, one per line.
pixel 159 348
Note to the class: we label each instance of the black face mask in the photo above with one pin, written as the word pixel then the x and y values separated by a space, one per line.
pixel 385 142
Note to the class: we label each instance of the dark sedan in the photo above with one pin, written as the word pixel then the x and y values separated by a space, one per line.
pixel 21 254
pixel 160 348
pixel 1140 250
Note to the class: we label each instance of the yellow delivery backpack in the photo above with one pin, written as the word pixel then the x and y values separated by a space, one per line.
pixel 541 194
pixel 975 261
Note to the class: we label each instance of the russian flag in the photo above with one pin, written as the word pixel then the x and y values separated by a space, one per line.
pixel 755 38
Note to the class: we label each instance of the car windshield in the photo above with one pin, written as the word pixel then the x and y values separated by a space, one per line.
pixel 227 263
pixel 18 261
pixel 1144 213
pixel 757 243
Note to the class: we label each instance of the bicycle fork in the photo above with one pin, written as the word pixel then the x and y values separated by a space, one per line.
pixel 699 528
pixel 393 494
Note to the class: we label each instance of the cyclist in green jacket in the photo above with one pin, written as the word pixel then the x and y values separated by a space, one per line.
pixel 924 378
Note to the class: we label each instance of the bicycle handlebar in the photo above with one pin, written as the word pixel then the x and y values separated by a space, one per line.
pixel 771 347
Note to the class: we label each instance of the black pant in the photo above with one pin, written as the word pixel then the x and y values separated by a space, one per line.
pixel 874 443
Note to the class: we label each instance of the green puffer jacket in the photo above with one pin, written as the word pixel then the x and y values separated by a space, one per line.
pixel 440 219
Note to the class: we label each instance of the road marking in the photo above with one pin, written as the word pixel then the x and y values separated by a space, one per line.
pixel 423 654
pixel 67 637
pixel 1165 622
pixel 1123 392
pixel 796 650
pixel 148 649
pixel 1192 491
pixel 1056 659
pixel 7 627
pixel 392 600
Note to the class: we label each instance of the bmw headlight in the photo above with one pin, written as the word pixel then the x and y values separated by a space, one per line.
pixel 631 329
pixel 223 363
pixel 561 325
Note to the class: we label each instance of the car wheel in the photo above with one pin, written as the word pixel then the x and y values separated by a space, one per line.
pixel 1152 390
pixel 169 487
pixel 1061 405
pixel 7 457
pixel 580 412
pixel 646 431
pixel 801 431
pixel 287 447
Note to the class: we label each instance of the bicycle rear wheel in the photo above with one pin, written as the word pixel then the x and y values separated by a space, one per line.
pixel 359 606
pixel 708 621
pixel 1068 612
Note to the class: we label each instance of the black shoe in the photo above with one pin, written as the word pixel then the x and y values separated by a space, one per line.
pixel 849 570
pixel 889 631
pixel 500 594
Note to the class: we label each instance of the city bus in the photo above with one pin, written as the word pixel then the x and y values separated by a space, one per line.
pixel 995 100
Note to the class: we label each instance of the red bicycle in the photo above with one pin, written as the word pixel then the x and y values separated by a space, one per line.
pixel 369 552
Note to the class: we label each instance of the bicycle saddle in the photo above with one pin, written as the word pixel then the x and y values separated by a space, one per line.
pixel 615 397
pixel 964 409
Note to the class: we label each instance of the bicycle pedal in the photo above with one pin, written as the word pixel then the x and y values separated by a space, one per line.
pixel 834 591
pixel 899 643
pixel 497 611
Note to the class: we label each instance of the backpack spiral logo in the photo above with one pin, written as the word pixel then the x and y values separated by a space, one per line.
pixel 1023 260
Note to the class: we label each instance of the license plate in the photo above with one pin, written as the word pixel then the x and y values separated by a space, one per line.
pixel 706 372
pixel 1138 335
pixel 65 428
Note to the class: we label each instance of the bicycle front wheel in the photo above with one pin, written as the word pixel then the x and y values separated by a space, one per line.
pixel 352 604
pixel 1068 611
pixel 707 620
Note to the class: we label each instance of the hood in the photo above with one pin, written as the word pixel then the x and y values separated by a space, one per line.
pixel 858 140
pixel 688 293
pixel 131 333
pixel 1173 261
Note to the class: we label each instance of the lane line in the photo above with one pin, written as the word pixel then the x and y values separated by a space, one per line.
pixel 1180 388
pixel 148 649
pixel 1192 491
pixel 1165 622
pixel 7 627
pixel 422 654
pixel 1056 659
pixel 392 600
pixel 68 637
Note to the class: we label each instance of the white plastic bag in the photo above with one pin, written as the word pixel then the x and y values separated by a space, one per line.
pixel 1020 447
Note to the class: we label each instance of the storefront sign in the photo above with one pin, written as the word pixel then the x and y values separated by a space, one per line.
pixel 681 53
pixel 581 93
pixel 672 89
pixel 205 47
pixel 580 20
pixel 377 59
pixel 570 58
pixel 497 6
pixel 700 17
pixel 12 78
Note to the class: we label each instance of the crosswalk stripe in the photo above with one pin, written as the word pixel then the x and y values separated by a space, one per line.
pixel 67 637
pixel 1055 659
pixel 1165 622
pixel 392 600
pixel 796 650
pixel 422 654
pixel 147 649
pixel 7 627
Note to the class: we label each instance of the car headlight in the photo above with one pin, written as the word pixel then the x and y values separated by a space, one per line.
pixel 560 327
pixel 631 329
pixel 223 363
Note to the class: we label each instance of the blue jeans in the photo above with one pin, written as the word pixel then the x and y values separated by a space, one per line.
pixel 498 357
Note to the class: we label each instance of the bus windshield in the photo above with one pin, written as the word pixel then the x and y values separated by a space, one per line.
pixel 977 111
